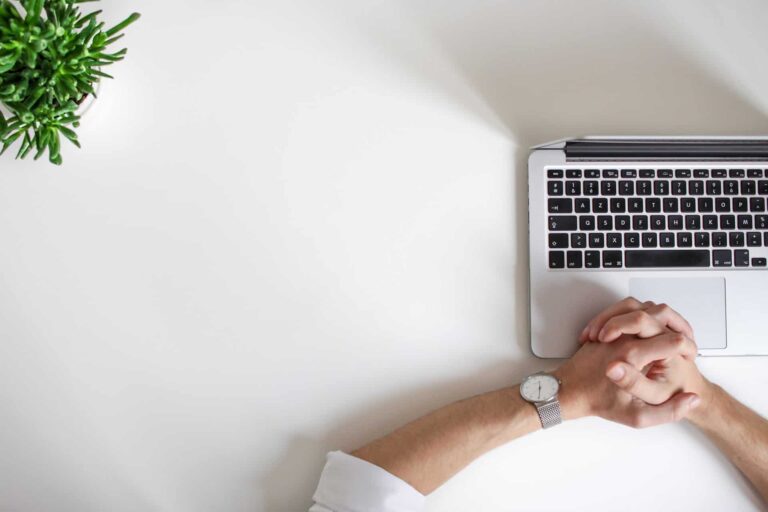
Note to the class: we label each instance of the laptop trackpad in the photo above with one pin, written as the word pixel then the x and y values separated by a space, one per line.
pixel 701 300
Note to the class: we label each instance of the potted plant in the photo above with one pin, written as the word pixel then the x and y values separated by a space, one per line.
pixel 51 59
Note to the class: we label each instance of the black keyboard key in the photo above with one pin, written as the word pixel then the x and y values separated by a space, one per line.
pixel 650 239
pixel 622 222
pixel 679 188
pixel 618 205
pixel 600 205
pixel 744 222
pixel 719 173
pixel 755 173
pixel 572 188
pixel 685 239
pixel 682 173
pixel 692 222
pixel 635 205
pixel 736 239
pixel 578 240
pixel 555 188
pixel 762 187
pixel 592 259
pixel 596 240
pixel 675 222
pixel 761 221
pixel 556 259
pixel 696 187
pixel 754 239
pixel 722 204
pixel 573 259
pixel 647 173
pixel 722 258
pixel 626 188
pixel 748 187
pixel 631 240
pixel 687 205
pixel 658 222
pixel 554 173
pixel 740 204
pixel 604 222
pixel 706 204
pixel 629 173
pixel 562 223
pixel 710 222
pixel 765 239
pixel 652 204
pixel 727 222
pixel 730 187
pixel 759 262
pixel 613 240
pixel 757 204
pixel 644 188
pixel 573 173
pixel 581 205
pixel 591 188
pixel 719 239
pixel 667 239
pixel 736 173
pixel 586 222
pixel 701 239
pixel 558 240
pixel 560 205
pixel 665 173
pixel 670 205
pixel 640 222
pixel 714 188
pixel 701 173
pixel 607 188
pixel 591 173
pixel 661 187
pixel 612 259
pixel 610 173
pixel 665 259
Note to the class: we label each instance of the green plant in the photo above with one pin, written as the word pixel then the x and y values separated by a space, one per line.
pixel 51 56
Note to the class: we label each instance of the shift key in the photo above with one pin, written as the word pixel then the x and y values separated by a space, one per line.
pixel 562 223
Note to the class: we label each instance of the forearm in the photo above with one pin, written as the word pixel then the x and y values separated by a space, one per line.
pixel 739 432
pixel 427 452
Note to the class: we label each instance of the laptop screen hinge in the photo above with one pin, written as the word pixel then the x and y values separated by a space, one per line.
pixel 612 150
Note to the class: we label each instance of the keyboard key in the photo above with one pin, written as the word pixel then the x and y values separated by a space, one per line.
pixel 667 239
pixel 736 173
pixel 558 240
pixel 706 204
pixel 675 222
pixel 622 222
pixel 669 258
pixel 710 222
pixel 555 188
pixel 682 173
pixel 754 239
pixel 626 188
pixel 612 259
pixel 604 222
pixel 613 240
pixel 647 173
pixel 696 187
pixel 661 187
pixel 679 188
pixel 580 205
pixel 640 222
pixel 554 173
pixel 741 258
pixel 618 205
pixel 600 205
pixel 650 239
pixel 730 187
pixel 592 259
pixel 714 188
pixel 658 222
pixel 631 240
pixel 740 204
pixel 719 173
pixel 759 262
pixel 701 173
pixel 727 222
pixel 607 188
pixel 652 205
pixel 736 239
pixel 573 173
pixel 688 205
pixel 610 173
pixel 644 188
pixel 591 188
pixel 692 222
pixel 748 187
pixel 722 204
pixel 756 204
pixel 556 259
pixel 562 223
pixel 744 222
pixel 591 173
pixel 573 259
pixel 722 258
pixel 719 239
pixel 761 221
pixel 762 187
pixel 755 173
pixel 635 205
pixel 578 240
pixel 596 240
pixel 701 239
pixel 560 205
pixel 572 188
pixel 665 173
pixel 684 239
pixel 670 205
pixel 629 173
pixel 586 222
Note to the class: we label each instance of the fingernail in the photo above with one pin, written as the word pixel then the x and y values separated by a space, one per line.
pixel 616 373
pixel 601 334
pixel 694 402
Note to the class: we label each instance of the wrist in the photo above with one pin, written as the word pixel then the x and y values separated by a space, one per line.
pixel 710 395
pixel 574 402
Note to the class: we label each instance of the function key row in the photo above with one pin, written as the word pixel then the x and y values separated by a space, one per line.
pixel 657 173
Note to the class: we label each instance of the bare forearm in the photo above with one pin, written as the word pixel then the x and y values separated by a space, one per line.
pixel 427 452
pixel 739 432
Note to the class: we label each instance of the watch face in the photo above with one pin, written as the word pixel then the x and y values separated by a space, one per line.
pixel 539 388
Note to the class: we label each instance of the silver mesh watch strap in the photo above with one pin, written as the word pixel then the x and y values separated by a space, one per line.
pixel 549 413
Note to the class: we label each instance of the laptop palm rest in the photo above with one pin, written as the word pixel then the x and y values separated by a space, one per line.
pixel 701 300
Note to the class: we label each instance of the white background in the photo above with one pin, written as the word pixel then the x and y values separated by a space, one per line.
pixel 296 225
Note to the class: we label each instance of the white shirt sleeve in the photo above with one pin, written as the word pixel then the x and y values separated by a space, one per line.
pixel 349 484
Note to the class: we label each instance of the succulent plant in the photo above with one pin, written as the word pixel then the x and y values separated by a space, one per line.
pixel 51 57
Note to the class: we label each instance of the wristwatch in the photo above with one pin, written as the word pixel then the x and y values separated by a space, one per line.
pixel 541 389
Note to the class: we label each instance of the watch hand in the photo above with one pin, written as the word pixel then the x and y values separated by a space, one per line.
pixel 539 390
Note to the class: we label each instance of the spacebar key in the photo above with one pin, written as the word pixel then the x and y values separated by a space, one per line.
pixel 688 258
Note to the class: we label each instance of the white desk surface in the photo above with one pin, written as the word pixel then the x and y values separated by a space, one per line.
pixel 297 225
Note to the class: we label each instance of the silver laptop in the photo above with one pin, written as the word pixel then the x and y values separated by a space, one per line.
pixel 680 220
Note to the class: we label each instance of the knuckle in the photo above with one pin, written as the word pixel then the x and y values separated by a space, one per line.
pixel 631 301
pixel 678 340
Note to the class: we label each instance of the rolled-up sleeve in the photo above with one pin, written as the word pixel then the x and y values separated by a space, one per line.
pixel 349 484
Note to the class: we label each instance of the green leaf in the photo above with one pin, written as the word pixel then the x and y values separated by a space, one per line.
pixel 120 26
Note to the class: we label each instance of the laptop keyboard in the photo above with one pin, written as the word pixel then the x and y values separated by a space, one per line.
pixel 657 218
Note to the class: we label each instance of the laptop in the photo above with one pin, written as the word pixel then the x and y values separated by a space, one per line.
pixel 678 220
